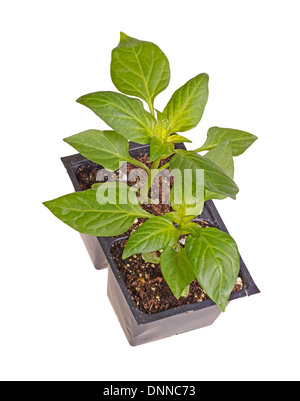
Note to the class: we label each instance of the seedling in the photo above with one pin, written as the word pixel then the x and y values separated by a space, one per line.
pixel 142 70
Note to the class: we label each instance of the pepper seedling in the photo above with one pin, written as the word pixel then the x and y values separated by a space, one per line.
pixel 141 71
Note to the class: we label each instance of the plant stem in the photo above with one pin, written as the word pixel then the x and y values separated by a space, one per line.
pixel 164 167
pixel 155 165
pixel 199 150
pixel 151 177
pixel 151 108
pixel 139 164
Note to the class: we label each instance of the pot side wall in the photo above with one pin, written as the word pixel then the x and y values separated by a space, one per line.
pixel 138 334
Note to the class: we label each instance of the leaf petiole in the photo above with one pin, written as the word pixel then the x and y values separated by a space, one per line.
pixel 167 165
pixel 151 177
pixel 139 164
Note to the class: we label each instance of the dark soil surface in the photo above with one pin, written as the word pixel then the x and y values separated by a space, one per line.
pixel 147 286
pixel 87 174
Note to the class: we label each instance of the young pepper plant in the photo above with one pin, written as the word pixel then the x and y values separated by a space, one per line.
pixel 140 71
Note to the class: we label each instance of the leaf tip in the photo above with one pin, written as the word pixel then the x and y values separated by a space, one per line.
pixel 124 256
pixel 123 36
pixel 67 140
pixel 47 204
pixel 80 100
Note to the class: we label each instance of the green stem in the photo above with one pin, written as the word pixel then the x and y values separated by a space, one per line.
pixel 200 149
pixel 155 165
pixel 151 107
pixel 139 164
pixel 151 177
pixel 164 167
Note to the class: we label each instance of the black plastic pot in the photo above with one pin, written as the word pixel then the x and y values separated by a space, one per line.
pixel 138 327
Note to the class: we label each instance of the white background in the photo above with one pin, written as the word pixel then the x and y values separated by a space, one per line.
pixel 56 321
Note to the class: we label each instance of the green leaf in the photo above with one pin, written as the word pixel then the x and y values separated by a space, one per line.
pixel 155 234
pixel 176 270
pixel 187 195
pixel 174 216
pixel 150 257
pixel 189 227
pixel 163 126
pixel 215 260
pixel 103 147
pixel 178 139
pixel 240 140
pixel 139 68
pixel 160 149
pixel 83 212
pixel 97 185
pixel 123 114
pixel 186 106
pixel 221 155
pixel 215 179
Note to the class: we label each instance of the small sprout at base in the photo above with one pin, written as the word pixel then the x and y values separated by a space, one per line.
pixel 186 292
pixel 150 257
